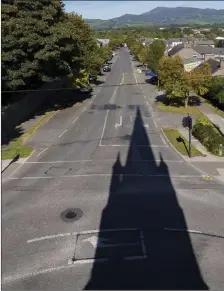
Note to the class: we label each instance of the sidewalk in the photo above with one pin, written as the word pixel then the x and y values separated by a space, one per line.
pixel 210 164
pixel 213 117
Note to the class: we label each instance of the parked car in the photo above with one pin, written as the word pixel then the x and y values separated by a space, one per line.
pixel 106 68
pixel 86 89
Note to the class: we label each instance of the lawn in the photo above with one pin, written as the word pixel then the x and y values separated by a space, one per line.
pixel 18 147
pixel 181 109
pixel 180 143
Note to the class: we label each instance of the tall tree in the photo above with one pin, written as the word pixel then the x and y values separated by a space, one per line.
pixel 25 32
pixel 156 52
pixel 176 82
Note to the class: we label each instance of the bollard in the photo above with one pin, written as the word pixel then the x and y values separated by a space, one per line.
pixel 220 149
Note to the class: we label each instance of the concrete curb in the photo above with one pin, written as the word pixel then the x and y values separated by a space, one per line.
pixel 189 161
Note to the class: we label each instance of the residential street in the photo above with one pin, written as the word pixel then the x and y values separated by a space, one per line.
pixel 146 218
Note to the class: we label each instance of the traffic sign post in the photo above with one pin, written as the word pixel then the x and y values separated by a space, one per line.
pixel 187 122
pixel 190 128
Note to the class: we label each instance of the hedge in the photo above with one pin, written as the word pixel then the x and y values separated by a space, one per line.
pixel 208 135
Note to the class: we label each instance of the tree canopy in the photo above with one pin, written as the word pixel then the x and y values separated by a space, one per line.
pixel 41 42
pixel 177 83
pixel 156 52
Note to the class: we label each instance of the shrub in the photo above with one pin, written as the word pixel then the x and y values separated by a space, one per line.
pixel 208 135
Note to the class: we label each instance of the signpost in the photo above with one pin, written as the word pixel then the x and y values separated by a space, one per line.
pixel 187 122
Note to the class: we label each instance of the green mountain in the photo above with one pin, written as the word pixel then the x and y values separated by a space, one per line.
pixel 163 16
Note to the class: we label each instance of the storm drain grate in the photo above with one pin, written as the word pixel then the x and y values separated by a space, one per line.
pixel 71 214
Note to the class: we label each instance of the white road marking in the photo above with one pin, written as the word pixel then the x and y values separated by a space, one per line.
pixel 105 175
pixel 63 133
pixel 144 96
pixel 43 151
pixel 143 242
pixel 146 125
pixel 123 145
pixel 106 117
pixel 48 237
pixel 106 160
pixel 155 123
pixel 9 177
pixel 135 79
pixel 75 120
pixel 120 123
pixel 107 230
pixel 99 242
pixel 147 103
pixel 163 140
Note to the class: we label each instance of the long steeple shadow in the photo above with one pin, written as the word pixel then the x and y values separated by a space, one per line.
pixel 142 205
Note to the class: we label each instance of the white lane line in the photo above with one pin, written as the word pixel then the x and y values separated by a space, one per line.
pixel 75 120
pixel 43 151
pixel 123 145
pixel 184 230
pixel 163 140
pixel 106 175
pixel 63 133
pixel 135 78
pixel 143 242
pixel 106 161
pixel 9 177
pixel 155 123
pixel 48 237
pixel 70 264
pixel 106 117
pixel 106 230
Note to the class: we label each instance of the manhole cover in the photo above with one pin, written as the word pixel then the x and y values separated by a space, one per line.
pixel 72 214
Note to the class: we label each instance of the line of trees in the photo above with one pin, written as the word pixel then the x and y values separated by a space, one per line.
pixel 40 42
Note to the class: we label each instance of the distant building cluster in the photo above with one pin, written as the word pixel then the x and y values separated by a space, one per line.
pixel 194 52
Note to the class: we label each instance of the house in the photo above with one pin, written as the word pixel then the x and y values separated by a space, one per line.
pixel 203 42
pixel 187 51
pixel 217 67
pixel 102 41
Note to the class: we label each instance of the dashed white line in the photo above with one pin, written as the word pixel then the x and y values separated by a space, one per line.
pixel 147 103
pixel 105 161
pixel 163 140
pixel 105 175
pixel 63 133
pixel 42 151
pixel 75 120
pixel 155 123
pixel 48 237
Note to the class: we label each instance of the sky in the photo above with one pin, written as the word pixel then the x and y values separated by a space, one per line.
pixel 111 9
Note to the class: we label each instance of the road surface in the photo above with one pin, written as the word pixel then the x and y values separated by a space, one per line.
pixel 105 203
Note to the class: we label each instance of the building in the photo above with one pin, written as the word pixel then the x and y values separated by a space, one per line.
pixel 217 67
pixel 102 41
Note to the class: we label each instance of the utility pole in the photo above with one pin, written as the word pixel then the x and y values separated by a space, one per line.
pixel 190 129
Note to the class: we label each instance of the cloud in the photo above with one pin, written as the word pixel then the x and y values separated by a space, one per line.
pixel 111 9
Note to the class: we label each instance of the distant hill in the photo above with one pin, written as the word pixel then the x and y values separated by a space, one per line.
pixel 163 16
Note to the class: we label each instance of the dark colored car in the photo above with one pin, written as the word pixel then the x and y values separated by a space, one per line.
pixel 106 68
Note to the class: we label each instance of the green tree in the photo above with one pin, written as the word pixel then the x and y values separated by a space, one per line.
pixel 177 83
pixel 156 52
pixel 26 31
pixel 143 55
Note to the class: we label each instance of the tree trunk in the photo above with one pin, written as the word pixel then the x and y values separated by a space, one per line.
pixel 186 101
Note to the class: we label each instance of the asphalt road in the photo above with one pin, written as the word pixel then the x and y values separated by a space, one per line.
pixel 146 219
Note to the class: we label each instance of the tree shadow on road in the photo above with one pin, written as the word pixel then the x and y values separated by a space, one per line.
pixel 143 202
